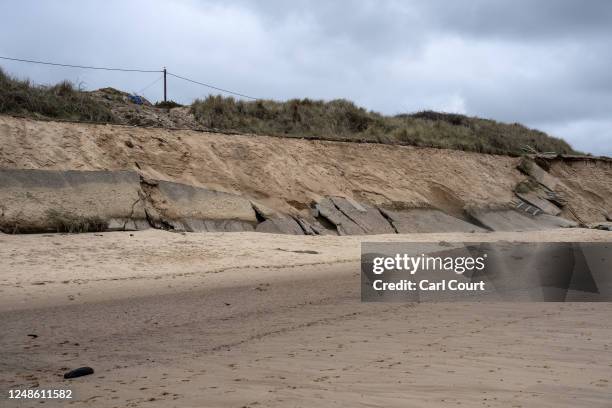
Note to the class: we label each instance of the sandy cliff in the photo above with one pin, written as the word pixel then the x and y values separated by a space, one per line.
pixel 288 176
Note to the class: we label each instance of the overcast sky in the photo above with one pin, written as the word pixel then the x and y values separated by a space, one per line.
pixel 547 64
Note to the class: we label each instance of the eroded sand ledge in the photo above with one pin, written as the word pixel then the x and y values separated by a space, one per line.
pixel 288 175
pixel 108 177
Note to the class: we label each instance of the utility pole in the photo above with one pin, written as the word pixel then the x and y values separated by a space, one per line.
pixel 165 98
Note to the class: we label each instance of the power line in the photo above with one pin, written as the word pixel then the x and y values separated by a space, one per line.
pixel 78 66
pixel 211 86
pixel 151 84
pixel 129 70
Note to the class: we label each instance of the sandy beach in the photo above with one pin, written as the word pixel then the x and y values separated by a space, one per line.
pixel 246 320
pixel 364 204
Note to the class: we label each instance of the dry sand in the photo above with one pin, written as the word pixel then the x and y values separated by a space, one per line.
pixel 240 320
pixel 285 174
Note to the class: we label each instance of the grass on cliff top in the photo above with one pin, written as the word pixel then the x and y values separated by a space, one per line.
pixel 339 120
pixel 342 120
pixel 62 101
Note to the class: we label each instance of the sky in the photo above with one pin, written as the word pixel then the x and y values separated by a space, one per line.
pixel 546 64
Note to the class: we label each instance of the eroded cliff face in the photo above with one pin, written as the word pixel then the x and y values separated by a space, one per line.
pixel 292 178
pixel 587 185
pixel 286 174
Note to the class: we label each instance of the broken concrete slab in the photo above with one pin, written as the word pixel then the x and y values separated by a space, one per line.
pixel 69 201
pixel 539 174
pixel 310 227
pixel 536 200
pixel 198 225
pixel 344 225
pixel 285 225
pixel 127 224
pixel 556 221
pixel 511 220
pixel 318 224
pixel 368 218
pixel 264 213
pixel 424 220
pixel 523 206
pixel 185 201
pixel 604 226
pixel 80 201
pixel 183 207
pixel 352 218
pixel 275 222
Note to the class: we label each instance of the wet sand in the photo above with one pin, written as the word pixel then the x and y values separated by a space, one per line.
pixel 199 320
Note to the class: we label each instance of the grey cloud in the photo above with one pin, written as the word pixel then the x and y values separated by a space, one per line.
pixel 523 19
pixel 542 63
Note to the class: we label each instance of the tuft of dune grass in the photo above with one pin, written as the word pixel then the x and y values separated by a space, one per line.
pixel 71 223
pixel 344 121
pixel 61 101
pixel 339 119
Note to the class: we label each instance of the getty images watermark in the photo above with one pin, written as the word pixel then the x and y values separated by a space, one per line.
pixel 498 271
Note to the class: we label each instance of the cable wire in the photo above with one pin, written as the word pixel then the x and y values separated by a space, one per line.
pixel 130 70
pixel 211 86
pixel 151 84
pixel 78 66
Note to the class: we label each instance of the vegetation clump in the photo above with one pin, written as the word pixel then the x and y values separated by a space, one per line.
pixel 70 223
pixel 167 104
pixel 62 101
pixel 342 120
pixel 525 165
pixel 338 120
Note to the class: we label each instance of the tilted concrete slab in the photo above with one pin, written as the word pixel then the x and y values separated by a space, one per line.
pixel 344 225
pixel 543 204
pixel 352 218
pixel 265 212
pixel 119 224
pixel 198 225
pixel 311 227
pixel 368 218
pixel 284 225
pixel 556 221
pixel 43 200
pixel 316 224
pixel 189 208
pixel 49 200
pixel 541 176
pixel 426 220
pixel 511 220
pixel 78 201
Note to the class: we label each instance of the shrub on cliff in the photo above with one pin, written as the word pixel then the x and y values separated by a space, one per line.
pixel 60 101
pixel 343 120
